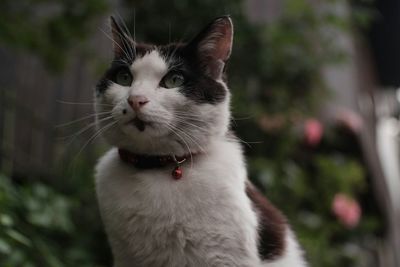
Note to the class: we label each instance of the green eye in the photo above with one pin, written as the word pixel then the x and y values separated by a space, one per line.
pixel 173 80
pixel 123 77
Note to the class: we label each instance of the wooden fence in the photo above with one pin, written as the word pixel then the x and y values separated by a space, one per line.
pixel 33 101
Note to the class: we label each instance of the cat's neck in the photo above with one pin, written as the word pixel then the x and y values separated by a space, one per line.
pixel 174 147
pixel 165 148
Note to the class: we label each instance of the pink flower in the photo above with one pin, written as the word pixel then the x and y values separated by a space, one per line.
pixel 347 210
pixel 313 131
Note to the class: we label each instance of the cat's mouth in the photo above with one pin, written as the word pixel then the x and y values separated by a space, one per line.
pixel 139 124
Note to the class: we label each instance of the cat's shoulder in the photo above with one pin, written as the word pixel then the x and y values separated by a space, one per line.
pixel 107 160
pixel 110 165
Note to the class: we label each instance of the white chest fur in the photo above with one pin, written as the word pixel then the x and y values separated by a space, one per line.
pixel 203 219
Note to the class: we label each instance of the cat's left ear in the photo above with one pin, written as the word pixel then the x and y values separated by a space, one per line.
pixel 122 42
pixel 213 46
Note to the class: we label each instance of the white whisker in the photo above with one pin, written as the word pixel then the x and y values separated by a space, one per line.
pixel 171 128
pixel 82 119
pixel 82 103
pixel 84 129
pixel 115 42
pixel 192 138
pixel 194 119
pixel 179 120
pixel 126 30
pixel 95 135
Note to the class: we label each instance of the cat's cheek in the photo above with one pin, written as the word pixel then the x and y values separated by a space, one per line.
pixel 158 131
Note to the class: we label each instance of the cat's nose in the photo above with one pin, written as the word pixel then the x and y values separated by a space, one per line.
pixel 137 101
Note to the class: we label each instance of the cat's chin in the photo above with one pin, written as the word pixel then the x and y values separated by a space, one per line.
pixel 138 129
pixel 151 141
pixel 156 147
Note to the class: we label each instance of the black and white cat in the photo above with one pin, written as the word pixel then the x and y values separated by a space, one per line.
pixel 174 191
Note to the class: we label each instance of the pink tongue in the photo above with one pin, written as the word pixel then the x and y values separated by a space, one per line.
pixel 139 124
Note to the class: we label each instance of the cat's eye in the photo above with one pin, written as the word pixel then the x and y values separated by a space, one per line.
pixel 124 77
pixel 173 80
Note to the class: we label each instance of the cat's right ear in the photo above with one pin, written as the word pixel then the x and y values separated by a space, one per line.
pixel 123 44
pixel 213 46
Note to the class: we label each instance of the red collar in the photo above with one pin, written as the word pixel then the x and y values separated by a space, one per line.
pixel 153 162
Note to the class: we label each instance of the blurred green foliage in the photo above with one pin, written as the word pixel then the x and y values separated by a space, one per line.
pixel 49 29
pixel 52 225
pixel 275 77
pixel 29 217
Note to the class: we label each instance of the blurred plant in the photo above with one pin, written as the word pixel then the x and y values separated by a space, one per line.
pixel 49 29
pixel 52 225
pixel 28 217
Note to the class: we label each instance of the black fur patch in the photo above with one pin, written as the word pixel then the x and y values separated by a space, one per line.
pixel 121 61
pixel 102 85
pixel 273 225
pixel 109 76
pixel 200 65
pixel 198 86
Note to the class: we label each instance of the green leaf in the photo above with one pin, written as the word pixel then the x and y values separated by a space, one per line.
pixel 5 248
pixel 18 237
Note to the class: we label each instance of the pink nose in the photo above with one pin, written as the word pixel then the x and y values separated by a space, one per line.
pixel 137 102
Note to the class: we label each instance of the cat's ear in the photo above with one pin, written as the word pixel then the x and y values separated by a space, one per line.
pixel 123 44
pixel 213 46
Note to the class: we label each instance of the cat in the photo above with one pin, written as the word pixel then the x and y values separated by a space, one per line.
pixel 173 190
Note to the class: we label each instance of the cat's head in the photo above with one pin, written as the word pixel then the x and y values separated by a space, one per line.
pixel 166 99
